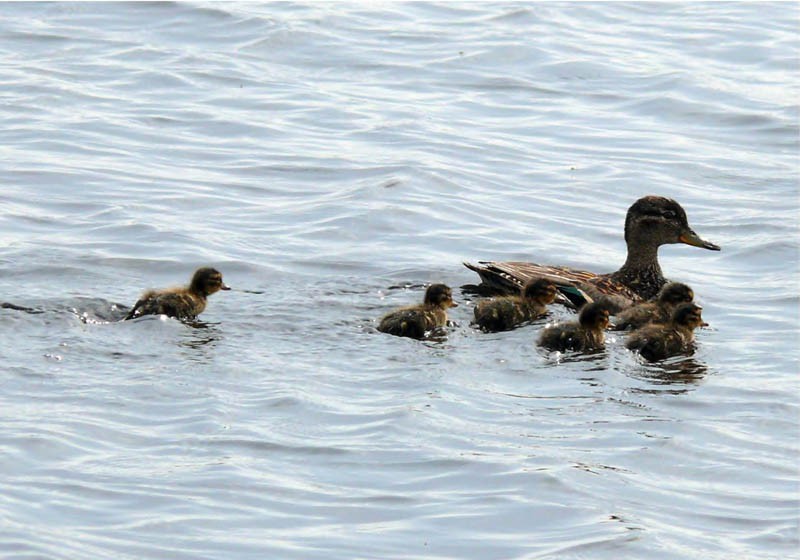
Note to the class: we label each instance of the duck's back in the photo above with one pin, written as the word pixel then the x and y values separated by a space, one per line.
pixel 656 342
pixel 500 314
pixel 566 336
pixel 640 315
pixel 412 322
pixel 180 304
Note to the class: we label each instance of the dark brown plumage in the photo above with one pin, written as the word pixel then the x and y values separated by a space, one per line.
pixel 414 321
pixel 658 342
pixel 181 303
pixel 657 311
pixel 651 221
pixel 587 333
pixel 506 312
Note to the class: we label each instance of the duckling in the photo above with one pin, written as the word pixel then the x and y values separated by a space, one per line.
pixel 585 334
pixel 657 342
pixel 658 311
pixel 415 320
pixel 506 312
pixel 181 303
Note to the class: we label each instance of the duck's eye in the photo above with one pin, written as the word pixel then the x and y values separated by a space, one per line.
pixel 670 215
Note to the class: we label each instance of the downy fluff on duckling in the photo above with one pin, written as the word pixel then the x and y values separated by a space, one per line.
pixel 506 312
pixel 587 333
pixel 658 311
pixel 651 221
pixel 414 321
pixel 657 342
pixel 184 303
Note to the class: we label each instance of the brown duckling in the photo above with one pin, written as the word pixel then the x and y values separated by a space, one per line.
pixel 414 321
pixel 587 333
pixel 657 342
pixel 658 311
pixel 181 303
pixel 506 312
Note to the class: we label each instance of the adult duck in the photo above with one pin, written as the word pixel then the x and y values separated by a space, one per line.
pixel 652 221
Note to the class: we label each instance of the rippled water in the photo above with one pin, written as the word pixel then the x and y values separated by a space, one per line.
pixel 331 160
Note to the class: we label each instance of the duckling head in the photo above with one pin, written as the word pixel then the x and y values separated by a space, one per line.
pixel 541 290
pixel 439 295
pixel 656 220
pixel 207 281
pixel 594 316
pixel 675 293
pixel 689 315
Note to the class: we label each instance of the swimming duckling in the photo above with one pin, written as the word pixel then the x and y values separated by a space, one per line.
pixel 585 334
pixel 180 303
pixel 415 320
pixel 658 311
pixel 506 312
pixel 657 342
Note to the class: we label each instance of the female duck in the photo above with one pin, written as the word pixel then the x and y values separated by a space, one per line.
pixel 181 303
pixel 657 342
pixel 414 321
pixel 585 334
pixel 506 312
pixel 658 311
pixel 651 221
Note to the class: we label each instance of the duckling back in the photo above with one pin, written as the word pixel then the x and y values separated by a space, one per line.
pixel 412 322
pixel 656 342
pixel 416 320
pixel 180 304
pixel 660 341
pixel 585 334
pixel 500 314
pixel 563 337
pixel 639 315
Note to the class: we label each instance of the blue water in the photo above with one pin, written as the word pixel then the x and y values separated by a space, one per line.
pixel 331 160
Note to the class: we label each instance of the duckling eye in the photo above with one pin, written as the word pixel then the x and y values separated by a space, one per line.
pixel 669 214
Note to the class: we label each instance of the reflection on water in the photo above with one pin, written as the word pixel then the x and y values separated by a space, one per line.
pixel 678 370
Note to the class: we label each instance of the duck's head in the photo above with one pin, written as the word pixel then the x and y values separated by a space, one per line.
pixel 207 281
pixel 689 315
pixel 541 290
pixel 594 316
pixel 656 220
pixel 439 295
pixel 675 293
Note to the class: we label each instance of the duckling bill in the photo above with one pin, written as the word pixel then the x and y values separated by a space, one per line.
pixel 414 321
pixel 657 342
pixel 585 334
pixel 507 312
pixel 184 303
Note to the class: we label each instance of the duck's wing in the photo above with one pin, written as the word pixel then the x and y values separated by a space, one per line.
pixel 509 277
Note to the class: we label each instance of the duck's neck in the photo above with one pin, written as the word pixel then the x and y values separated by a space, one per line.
pixel 197 292
pixel 686 332
pixel 641 271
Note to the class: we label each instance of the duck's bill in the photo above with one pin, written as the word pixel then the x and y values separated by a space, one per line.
pixel 691 238
pixel 703 324
pixel 224 287
pixel 453 304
